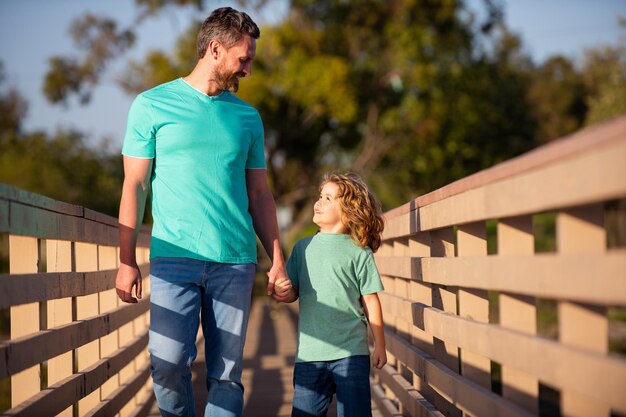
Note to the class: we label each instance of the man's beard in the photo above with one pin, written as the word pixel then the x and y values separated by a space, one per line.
pixel 227 81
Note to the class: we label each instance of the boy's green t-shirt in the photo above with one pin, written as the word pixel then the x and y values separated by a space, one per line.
pixel 331 272
pixel 201 146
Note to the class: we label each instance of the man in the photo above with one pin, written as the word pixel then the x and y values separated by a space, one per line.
pixel 200 150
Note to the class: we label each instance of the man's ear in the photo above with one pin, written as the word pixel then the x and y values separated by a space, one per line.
pixel 214 49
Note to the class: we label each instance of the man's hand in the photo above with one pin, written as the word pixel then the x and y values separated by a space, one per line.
pixel 379 357
pixel 128 276
pixel 276 273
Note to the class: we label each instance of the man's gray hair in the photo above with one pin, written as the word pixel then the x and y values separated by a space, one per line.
pixel 227 26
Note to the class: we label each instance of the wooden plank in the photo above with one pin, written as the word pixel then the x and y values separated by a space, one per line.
pixel 24 258
pixel 14 194
pixel 145 404
pixel 518 312
pixel 537 190
pixel 400 266
pixel 569 368
pixel 4 216
pixel 108 300
pixel 581 230
pixel 442 244
pixel 33 221
pixel 86 258
pixel 412 401
pixel 552 276
pixel 71 389
pixel 54 285
pixel 59 259
pixel 463 393
pixel 584 141
pixel 384 404
pixel 399 226
pixel 473 303
pixel 121 396
pixel 35 348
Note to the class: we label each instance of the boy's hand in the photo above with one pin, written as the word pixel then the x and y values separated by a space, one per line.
pixel 379 358
pixel 283 291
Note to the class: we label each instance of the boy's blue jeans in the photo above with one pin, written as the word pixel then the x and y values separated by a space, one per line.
pixel 316 382
pixel 183 291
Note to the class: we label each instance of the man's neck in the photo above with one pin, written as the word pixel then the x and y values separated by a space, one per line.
pixel 200 79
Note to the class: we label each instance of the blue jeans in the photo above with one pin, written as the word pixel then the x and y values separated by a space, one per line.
pixel 181 291
pixel 316 382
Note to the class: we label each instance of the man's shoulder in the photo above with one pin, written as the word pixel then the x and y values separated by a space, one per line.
pixel 233 99
pixel 161 89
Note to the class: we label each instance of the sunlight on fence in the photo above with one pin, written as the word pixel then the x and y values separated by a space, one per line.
pixel 505 290
pixel 74 348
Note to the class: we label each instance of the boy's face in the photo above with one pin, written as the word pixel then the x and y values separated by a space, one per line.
pixel 327 212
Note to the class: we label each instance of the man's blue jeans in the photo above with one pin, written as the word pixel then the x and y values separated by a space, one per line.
pixel 181 291
pixel 316 382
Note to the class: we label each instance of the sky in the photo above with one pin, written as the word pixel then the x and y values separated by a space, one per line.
pixel 31 31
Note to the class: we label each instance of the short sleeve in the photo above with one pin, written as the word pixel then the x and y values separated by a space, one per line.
pixel 256 153
pixel 369 278
pixel 292 267
pixel 139 140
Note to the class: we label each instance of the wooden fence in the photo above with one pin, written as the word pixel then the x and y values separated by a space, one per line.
pixel 468 285
pixel 74 348
pixel 467 288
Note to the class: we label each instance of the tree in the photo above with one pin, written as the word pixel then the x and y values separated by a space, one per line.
pixel 62 167
pixel 405 92
pixel 557 97
pixel 604 74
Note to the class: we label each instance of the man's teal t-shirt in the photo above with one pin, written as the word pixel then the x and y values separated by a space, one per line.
pixel 201 146
pixel 331 272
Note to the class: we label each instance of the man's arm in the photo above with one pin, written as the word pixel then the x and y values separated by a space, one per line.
pixel 262 208
pixel 132 205
pixel 374 314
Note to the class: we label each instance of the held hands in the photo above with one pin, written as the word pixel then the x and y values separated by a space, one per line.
pixel 282 288
pixel 128 276
pixel 379 357
pixel 284 291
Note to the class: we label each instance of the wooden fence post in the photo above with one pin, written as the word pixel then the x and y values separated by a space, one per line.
pixel 581 230
pixel 60 259
pixel 23 259
pixel 515 237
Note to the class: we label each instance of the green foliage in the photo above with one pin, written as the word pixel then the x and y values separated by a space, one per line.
pixel 557 98
pixel 413 94
pixel 604 73
pixel 100 41
pixel 62 167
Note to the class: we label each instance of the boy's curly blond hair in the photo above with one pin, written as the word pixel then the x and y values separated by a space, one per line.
pixel 361 210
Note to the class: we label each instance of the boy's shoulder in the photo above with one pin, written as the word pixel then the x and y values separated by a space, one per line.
pixel 304 242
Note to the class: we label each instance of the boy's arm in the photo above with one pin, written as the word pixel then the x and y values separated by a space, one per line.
pixel 374 314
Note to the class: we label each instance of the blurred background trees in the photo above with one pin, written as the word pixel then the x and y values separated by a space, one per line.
pixel 411 94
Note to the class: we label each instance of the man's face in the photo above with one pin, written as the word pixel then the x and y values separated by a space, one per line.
pixel 236 63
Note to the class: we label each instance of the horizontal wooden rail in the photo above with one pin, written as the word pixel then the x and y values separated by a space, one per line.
pixel 20 289
pixel 65 393
pixel 595 375
pixel 524 275
pixel 19 354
